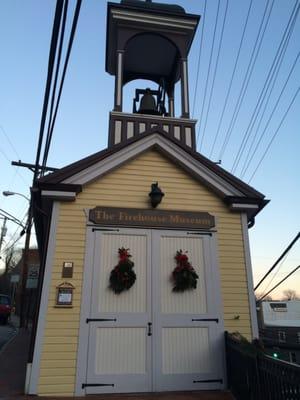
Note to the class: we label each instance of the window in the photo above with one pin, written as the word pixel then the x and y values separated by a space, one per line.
pixel 281 336
pixel 4 300
pixel 293 358
pixel 278 307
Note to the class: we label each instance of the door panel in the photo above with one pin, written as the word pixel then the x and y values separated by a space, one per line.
pixel 188 355
pixel 119 346
pixel 180 349
pixel 120 351
pixel 189 301
pixel 133 300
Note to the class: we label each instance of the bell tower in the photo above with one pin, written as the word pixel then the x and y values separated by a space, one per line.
pixel 151 41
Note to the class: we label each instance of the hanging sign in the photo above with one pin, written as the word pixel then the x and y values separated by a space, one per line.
pixel 151 218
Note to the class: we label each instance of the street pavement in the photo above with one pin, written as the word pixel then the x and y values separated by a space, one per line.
pixel 7 332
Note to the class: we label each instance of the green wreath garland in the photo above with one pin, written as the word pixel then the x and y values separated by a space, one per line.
pixel 122 277
pixel 184 276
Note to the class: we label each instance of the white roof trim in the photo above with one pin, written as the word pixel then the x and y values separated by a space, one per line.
pixel 241 206
pixel 132 150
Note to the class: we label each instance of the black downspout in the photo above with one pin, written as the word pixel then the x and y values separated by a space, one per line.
pixel 43 254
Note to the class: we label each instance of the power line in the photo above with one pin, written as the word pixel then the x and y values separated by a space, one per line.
pixel 62 33
pixel 278 260
pixel 275 134
pixel 276 273
pixel 279 283
pixel 51 59
pixel 215 70
pixel 243 170
pixel 71 39
pixel 272 112
pixel 207 77
pixel 232 76
pixel 271 76
pixel 199 59
pixel 247 77
pixel 6 157
pixel 9 141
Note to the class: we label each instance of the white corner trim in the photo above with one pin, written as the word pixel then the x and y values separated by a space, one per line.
pixel 132 150
pixel 34 377
pixel 59 195
pixel 82 352
pixel 241 206
pixel 250 285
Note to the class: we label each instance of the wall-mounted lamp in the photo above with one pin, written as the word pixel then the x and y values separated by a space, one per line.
pixel 156 195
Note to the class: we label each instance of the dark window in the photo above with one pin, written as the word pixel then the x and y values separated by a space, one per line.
pixel 4 300
pixel 293 358
pixel 278 306
pixel 281 336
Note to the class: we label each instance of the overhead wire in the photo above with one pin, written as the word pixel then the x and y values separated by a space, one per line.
pixel 9 141
pixel 199 60
pixel 275 134
pixel 71 39
pixel 251 64
pixel 232 77
pixel 7 158
pixel 215 70
pixel 279 283
pixel 273 111
pixel 61 41
pixel 243 169
pixel 275 274
pixel 12 238
pixel 51 60
pixel 271 77
pixel 207 77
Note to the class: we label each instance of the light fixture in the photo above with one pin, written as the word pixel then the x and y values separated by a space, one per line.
pixel 155 195
pixel 9 193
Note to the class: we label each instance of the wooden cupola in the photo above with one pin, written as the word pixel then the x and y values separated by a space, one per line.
pixel 150 41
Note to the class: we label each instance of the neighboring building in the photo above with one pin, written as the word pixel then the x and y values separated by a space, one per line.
pixel 280 329
pixel 91 338
pixel 31 284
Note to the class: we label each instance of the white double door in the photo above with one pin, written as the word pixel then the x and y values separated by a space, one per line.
pixel 150 338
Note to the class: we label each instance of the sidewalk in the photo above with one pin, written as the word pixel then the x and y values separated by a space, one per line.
pixel 13 359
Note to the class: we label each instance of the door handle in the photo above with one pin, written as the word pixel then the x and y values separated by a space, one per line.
pixel 149 328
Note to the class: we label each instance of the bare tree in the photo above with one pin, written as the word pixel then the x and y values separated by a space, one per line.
pixel 290 294
pixel 11 259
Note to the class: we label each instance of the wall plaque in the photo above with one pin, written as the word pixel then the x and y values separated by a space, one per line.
pixel 151 218
pixel 67 269
pixel 64 295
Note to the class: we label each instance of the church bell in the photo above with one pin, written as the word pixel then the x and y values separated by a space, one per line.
pixel 147 104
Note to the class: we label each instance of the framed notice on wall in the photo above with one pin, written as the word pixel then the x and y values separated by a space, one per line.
pixel 64 295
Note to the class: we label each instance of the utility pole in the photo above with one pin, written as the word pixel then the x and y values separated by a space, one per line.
pixel 3 231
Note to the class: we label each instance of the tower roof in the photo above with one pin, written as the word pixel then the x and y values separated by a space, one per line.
pixel 152 36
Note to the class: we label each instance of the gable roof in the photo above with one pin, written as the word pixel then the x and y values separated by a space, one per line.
pixel 231 189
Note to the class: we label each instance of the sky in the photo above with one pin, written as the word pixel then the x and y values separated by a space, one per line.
pixel 82 123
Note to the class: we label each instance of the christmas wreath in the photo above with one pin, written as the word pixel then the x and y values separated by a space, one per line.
pixel 122 277
pixel 184 276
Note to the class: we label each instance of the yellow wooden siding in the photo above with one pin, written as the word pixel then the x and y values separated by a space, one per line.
pixel 128 186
